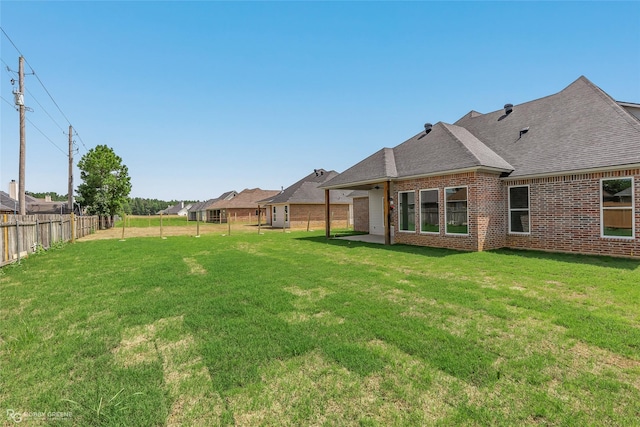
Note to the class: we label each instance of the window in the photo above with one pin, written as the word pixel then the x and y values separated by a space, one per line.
pixel 616 208
pixel 286 213
pixel 274 214
pixel 456 216
pixel 429 211
pixel 519 210
pixel 407 214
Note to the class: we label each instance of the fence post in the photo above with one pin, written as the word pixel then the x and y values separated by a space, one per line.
pixel 61 230
pixel 72 225
pixel 37 232
pixel 5 233
pixel 17 239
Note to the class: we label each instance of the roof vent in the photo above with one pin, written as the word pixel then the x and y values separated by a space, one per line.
pixel 523 131
pixel 427 127
pixel 508 108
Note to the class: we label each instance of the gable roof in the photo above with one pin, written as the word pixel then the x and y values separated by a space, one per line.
pixel 578 128
pixel 247 198
pixel 206 204
pixel 308 191
pixel 445 148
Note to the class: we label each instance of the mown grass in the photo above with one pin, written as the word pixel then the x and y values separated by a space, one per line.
pixel 292 329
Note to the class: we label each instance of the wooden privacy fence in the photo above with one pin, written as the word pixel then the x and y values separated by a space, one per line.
pixel 25 234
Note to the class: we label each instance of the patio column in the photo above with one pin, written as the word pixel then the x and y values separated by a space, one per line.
pixel 387 213
pixel 327 214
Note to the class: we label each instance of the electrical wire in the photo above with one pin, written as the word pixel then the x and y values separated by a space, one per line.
pixel 45 110
pixel 44 87
pixel 5 100
pixel 49 139
pixel 37 128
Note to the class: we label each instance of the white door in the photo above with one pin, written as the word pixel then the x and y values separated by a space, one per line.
pixel 376 212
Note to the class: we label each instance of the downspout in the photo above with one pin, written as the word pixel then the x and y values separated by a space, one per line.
pixel 387 213
pixel 327 216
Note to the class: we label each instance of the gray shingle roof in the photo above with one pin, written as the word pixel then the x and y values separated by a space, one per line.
pixel 248 198
pixel 578 128
pixel 308 191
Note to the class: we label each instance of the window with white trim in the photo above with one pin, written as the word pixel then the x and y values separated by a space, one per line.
pixel 274 214
pixel 286 214
pixel 429 211
pixel 519 219
pixel 407 214
pixel 456 215
pixel 617 208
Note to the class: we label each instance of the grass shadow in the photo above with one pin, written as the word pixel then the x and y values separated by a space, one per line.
pixel 594 260
pixel 398 248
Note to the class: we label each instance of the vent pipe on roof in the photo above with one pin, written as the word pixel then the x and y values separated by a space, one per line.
pixel 508 108
pixel 427 127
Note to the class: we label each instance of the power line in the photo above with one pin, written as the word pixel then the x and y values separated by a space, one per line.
pixel 45 110
pixel 5 100
pixel 44 87
pixel 11 41
pixel 37 128
pixel 50 140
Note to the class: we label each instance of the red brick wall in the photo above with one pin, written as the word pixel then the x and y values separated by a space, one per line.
pixel 476 211
pixel 565 215
pixel 361 214
pixel 299 215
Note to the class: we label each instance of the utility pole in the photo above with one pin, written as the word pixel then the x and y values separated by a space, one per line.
pixel 70 194
pixel 21 174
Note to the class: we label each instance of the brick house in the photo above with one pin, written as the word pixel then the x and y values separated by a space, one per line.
pixel 198 212
pixel 302 204
pixel 560 173
pixel 244 207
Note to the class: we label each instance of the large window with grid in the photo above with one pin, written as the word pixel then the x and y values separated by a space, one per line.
pixel 456 212
pixel 617 208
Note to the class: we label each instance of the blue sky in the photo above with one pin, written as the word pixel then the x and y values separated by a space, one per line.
pixel 199 98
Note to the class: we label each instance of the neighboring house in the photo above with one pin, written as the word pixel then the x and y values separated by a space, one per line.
pixel 243 208
pixel 199 210
pixel 560 173
pixel 179 209
pixel 303 204
pixel 34 206
pixel 7 203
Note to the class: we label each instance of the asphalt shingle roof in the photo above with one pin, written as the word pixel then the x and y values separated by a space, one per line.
pixel 578 128
pixel 308 191
pixel 247 198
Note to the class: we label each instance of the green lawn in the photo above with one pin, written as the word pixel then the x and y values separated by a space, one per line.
pixel 292 329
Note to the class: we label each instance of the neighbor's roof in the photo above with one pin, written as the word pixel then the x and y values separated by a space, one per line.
pixel 308 191
pixel 578 128
pixel 247 198
pixel 209 204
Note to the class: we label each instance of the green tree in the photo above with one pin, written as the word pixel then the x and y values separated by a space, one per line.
pixel 106 184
